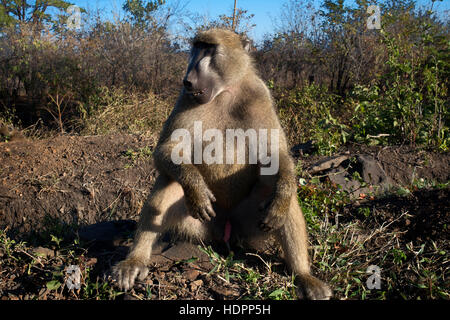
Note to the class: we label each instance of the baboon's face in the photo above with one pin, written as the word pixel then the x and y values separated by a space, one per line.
pixel 202 81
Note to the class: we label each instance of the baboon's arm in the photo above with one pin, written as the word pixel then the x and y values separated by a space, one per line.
pixel 277 207
pixel 197 194
pixel 184 174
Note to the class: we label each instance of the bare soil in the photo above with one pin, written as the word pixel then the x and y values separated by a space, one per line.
pixel 72 179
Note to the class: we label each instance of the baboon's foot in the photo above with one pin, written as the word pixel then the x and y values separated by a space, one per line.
pixel 126 271
pixel 311 288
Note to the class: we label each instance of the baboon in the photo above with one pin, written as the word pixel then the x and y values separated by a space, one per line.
pixel 223 91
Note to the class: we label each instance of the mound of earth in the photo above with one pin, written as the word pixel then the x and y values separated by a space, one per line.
pixel 73 180
pixel 423 214
pixel 400 165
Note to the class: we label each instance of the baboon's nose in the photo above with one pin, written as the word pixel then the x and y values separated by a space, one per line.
pixel 187 84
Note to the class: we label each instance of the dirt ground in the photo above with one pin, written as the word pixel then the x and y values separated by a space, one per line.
pixel 74 179
pixel 96 185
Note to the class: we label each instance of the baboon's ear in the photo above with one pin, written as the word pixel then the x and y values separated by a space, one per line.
pixel 246 44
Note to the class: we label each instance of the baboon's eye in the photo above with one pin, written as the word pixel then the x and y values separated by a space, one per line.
pixel 207 48
pixel 209 51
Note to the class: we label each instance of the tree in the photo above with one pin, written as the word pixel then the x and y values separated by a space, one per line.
pixel 349 46
pixel 238 22
pixel 140 11
pixel 35 12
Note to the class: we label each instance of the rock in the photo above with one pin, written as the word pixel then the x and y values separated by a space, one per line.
pixel 196 284
pixel 341 170
pixel 44 252
pixel 91 262
pixel 178 252
pixel 329 163
pixel 224 292
pixel 371 171
pixel 191 274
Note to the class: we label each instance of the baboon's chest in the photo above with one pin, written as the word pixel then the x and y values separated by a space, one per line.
pixel 223 150
pixel 229 183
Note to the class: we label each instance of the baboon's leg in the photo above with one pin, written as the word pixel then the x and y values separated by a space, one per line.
pixel 293 238
pixel 246 216
pixel 164 209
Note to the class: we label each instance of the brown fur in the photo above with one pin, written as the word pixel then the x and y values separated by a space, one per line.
pixel 187 194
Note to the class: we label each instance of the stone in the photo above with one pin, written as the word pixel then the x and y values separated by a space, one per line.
pixel 44 252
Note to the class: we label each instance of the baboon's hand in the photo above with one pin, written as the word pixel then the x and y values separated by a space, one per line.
pixel 311 288
pixel 274 215
pixel 125 272
pixel 199 204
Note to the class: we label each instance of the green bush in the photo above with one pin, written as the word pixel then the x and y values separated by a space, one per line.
pixel 410 104
pixel 312 113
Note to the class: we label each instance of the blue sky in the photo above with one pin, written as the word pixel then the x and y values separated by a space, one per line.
pixel 264 10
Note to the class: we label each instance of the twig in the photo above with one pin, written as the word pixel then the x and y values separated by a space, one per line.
pixel 258 256
pixel 233 25
pixel 379 135
pixel 32 257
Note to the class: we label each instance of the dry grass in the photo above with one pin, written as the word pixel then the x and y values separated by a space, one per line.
pixel 125 112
